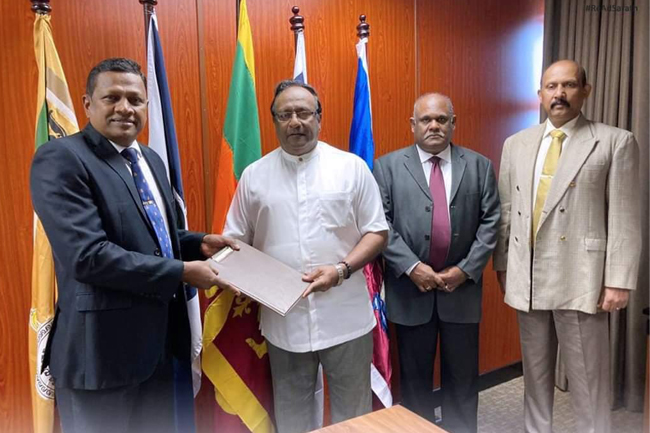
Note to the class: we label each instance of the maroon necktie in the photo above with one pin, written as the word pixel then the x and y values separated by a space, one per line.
pixel 440 228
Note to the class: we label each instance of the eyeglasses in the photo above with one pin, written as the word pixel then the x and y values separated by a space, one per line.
pixel 288 115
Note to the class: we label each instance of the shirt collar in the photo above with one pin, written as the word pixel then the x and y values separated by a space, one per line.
pixel 133 145
pixel 301 158
pixel 568 128
pixel 425 156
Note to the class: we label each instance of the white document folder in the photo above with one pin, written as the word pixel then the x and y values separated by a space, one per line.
pixel 261 277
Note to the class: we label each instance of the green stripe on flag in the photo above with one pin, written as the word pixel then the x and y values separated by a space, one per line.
pixel 241 129
pixel 42 131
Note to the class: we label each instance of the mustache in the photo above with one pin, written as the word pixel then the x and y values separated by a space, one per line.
pixel 435 135
pixel 560 101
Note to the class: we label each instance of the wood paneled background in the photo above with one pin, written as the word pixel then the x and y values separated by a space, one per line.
pixel 415 46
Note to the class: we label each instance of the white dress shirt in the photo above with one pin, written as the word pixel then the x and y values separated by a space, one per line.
pixel 568 128
pixel 308 211
pixel 148 176
pixel 445 167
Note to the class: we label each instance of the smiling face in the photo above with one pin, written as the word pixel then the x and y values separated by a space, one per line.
pixel 563 92
pixel 117 108
pixel 297 136
pixel 433 123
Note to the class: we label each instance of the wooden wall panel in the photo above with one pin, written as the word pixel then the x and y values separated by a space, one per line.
pixel 415 45
pixel 464 51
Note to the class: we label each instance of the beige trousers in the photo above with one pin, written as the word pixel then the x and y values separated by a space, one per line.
pixel 584 342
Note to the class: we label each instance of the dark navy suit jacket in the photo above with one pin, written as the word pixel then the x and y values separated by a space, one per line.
pixel 117 295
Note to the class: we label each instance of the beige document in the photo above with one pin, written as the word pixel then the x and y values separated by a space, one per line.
pixel 261 277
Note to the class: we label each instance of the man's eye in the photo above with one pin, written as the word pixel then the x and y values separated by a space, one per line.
pixel 442 120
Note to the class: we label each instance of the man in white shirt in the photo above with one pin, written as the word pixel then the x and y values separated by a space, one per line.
pixel 568 246
pixel 317 209
pixel 442 205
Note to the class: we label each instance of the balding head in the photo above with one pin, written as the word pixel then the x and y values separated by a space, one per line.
pixel 563 91
pixel 433 122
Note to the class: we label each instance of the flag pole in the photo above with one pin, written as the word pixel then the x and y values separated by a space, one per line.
pixel 148 9
pixel 363 29
pixel 41 7
pixel 297 23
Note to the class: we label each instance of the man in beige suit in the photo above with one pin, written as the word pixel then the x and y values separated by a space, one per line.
pixel 568 246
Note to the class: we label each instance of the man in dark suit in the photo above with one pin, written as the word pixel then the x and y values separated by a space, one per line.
pixel 107 209
pixel 442 206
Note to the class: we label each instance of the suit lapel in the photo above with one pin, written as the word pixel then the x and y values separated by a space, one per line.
pixel 571 160
pixel 414 167
pixel 104 150
pixel 458 165
pixel 526 162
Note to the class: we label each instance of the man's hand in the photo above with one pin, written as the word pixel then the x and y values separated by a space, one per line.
pixel 612 299
pixel 322 279
pixel 203 276
pixel 210 244
pixel 425 278
pixel 453 277
pixel 501 277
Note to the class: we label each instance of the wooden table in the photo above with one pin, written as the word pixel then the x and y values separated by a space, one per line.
pixel 396 419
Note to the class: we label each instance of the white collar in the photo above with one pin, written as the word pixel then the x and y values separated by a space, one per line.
pixel 425 156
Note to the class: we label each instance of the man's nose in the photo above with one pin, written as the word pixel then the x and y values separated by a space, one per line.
pixel 123 106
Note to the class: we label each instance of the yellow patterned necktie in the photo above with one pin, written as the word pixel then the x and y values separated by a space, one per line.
pixel 550 166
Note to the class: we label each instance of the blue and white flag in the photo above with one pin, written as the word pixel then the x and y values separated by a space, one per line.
pixel 300 65
pixel 362 144
pixel 361 141
pixel 162 139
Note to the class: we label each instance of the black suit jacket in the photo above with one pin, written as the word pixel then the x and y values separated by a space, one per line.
pixel 116 294
pixel 474 213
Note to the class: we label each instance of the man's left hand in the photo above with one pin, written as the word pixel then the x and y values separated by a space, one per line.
pixel 454 277
pixel 322 279
pixel 613 299
pixel 213 243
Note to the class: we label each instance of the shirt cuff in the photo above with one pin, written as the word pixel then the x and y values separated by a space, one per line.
pixel 409 270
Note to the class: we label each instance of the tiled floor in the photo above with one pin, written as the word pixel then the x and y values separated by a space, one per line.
pixel 501 410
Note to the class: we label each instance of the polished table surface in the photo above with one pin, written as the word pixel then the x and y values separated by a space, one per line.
pixel 396 419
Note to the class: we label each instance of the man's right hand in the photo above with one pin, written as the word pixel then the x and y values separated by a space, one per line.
pixel 425 278
pixel 201 275
pixel 501 277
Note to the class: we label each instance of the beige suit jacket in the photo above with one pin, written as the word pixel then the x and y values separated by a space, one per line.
pixel 589 234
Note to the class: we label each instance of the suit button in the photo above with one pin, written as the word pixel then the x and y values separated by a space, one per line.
pixel 562 209
pixel 563 238
pixel 427 208
pixel 517 187
pixel 157 252
pixel 572 184
pixel 516 239
pixel 519 213
pixel 427 237
pixel 453 206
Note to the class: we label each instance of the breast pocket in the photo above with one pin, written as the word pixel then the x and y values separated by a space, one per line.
pixel 335 210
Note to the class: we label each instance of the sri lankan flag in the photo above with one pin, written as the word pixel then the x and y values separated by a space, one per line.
pixel 234 352
pixel 54 118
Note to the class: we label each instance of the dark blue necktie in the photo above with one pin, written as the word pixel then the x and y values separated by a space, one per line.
pixel 155 217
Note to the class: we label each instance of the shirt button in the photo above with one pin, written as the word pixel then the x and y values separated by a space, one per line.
pixel 300 159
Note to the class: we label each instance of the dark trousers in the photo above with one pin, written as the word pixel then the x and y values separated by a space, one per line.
pixel 458 368
pixel 143 408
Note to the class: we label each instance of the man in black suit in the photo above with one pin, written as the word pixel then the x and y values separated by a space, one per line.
pixel 107 209
pixel 442 205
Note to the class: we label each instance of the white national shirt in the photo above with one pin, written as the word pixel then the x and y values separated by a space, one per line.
pixel 308 211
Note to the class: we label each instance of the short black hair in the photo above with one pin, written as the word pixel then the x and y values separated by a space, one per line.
pixel 285 84
pixel 115 64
